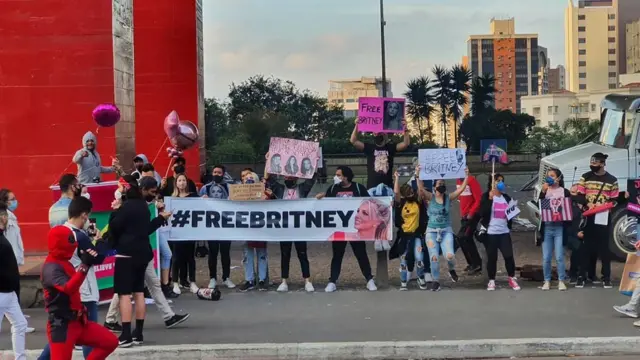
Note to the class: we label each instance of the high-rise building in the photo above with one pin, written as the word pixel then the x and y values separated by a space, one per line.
pixel 512 59
pixel 347 92
pixel 628 11
pixel 543 73
pixel 633 47
pixel 557 79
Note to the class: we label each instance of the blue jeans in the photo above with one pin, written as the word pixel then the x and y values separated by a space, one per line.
pixel 553 243
pixel 416 246
pixel 440 239
pixel 92 314
pixel 165 253
pixel 249 263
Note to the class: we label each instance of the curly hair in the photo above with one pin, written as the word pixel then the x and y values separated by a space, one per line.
pixel 382 212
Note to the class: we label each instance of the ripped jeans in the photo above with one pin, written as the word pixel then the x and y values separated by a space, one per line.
pixel 440 240
pixel 249 262
pixel 415 245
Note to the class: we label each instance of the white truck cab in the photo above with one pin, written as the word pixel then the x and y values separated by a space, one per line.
pixel 619 138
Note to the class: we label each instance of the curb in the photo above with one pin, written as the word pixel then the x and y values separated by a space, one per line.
pixel 400 350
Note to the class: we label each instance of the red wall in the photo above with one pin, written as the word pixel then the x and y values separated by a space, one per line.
pixel 56 64
pixel 166 76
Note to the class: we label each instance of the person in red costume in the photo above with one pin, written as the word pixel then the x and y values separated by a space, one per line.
pixel 68 324
pixel 469 211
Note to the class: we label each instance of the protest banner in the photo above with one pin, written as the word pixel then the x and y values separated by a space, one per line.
pixel 329 219
pixel 442 164
pixel 246 191
pixel 380 115
pixel 494 150
pixel 633 206
pixel 290 157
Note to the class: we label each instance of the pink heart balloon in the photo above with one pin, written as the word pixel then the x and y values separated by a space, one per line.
pixel 171 124
pixel 106 115
pixel 186 137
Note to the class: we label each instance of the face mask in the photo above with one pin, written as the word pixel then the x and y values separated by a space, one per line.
pixel 13 205
pixel 117 195
pixel 501 187
pixel 85 224
pixel 217 179
pixel 441 189
pixel 595 168
pixel 250 181
pixel 337 180
pixel 139 167
pixel 179 169
pixel 290 183
pixel 86 195
pixel 550 180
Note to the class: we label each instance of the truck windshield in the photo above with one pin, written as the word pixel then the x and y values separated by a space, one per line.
pixel 617 128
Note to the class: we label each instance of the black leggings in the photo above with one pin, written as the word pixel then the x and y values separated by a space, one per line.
pixel 596 245
pixel 500 242
pixel 285 257
pixel 184 267
pixel 224 248
pixel 359 250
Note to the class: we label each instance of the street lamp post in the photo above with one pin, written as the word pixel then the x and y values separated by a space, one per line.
pixel 382 50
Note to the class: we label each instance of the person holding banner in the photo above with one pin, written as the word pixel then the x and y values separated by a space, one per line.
pixel 369 222
pixel 493 217
pixel 439 231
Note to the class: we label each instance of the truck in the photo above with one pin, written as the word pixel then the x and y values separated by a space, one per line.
pixel 619 138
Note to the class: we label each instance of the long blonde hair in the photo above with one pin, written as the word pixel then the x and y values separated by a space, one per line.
pixel 176 191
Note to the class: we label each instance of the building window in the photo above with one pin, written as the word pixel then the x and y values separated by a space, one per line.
pixel 583 86
pixel 612 28
pixel 549 110
pixel 582 41
pixel 612 51
pixel 612 39
pixel 612 16
pixel 582 63
pixel 555 110
pixel 582 52
pixel 536 111
pixel 582 28
pixel 613 74
pixel 593 107
pixel 523 111
pixel 612 86
pixel 351 100
pixel 582 75
pixel 612 63
pixel 538 122
pixel 582 17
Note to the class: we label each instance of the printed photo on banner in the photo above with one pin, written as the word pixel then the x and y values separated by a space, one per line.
pixel 290 157
pixel 329 219
pixel 494 150
pixel 380 115
pixel 243 192
pixel 633 206
pixel 442 163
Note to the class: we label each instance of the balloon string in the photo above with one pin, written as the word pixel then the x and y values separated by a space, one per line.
pixel 168 167
pixel 62 173
pixel 97 130
pixel 159 150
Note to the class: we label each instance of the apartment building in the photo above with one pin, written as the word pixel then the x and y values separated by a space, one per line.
pixel 346 92
pixel 557 79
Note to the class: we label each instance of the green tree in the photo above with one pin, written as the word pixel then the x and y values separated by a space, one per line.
pixel 554 138
pixel 494 124
pixel 216 122
pixel 482 91
pixel 442 96
pixel 419 98
pixel 460 78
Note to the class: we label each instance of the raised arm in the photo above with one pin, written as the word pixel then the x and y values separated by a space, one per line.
pixel 422 192
pixel 396 187
pixel 79 155
pixel 266 167
pixel 407 139
pixel 354 138
pixel 454 195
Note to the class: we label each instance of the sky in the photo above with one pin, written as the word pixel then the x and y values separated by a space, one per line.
pixel 312 41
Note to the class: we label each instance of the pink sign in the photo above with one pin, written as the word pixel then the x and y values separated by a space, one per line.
pixel 290 157
pixel 380 115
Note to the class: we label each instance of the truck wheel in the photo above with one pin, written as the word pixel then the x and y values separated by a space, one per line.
pixel 622 236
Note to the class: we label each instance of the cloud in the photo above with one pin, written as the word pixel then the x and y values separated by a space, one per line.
pixel 298 61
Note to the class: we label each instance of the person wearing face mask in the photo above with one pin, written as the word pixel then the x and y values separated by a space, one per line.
pixel 139 162
pixel 439 232
pixel 167 184
pixel 493 217
pixel 12 232
pixel 380 156
pixel 218 189
pixel 129 227
pixel 553 232
pixel 184 267
pixel 596 188
pixel 89 163
pixel 292 190
pixel 343 186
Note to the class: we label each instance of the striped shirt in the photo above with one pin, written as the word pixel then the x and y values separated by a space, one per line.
pixel 590 184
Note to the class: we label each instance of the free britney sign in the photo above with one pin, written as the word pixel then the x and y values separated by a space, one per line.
pixel 380 115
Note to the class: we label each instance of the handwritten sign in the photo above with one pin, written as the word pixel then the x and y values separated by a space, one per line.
pixel 633 206
pixel 246 191
pixel 380 115
pixel 442 164
pixel 512 210
pixel 291 157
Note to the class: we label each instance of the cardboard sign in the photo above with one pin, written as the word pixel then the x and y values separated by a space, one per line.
pixel 291 157
pixel 512 210
pixel 633 206
pixel 380 115
pixel 246 191
pixel 438 164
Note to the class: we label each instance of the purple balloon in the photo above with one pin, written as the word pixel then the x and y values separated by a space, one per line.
pixel 106 115
pixel 186 137
pixel 171 124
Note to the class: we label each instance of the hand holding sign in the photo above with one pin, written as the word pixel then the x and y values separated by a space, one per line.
pixel 436 164
pixel 512 210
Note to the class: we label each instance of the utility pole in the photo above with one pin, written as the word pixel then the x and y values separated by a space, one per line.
pixel 382 267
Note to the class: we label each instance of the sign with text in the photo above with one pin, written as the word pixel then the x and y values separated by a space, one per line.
pixel 512 210
pixel 633 206
pixel 380 115
pixel 442 164
pixel 329 219
pixel 291 157
pixel 246 191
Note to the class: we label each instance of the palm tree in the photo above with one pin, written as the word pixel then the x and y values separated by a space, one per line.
pixel 419 98
pixel 460 77
pixel 442 96
pixel 482 93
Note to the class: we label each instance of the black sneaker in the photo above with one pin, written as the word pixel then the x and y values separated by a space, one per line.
pixel 435 286
pixel 113 327
pixel 125 342
pixel 454 276
pixel 573 280
pixel 595 280
pixel 248 285
pixel 138 339
pixel 580 283
pixel 168 292
pixel 467 269
pixel 606 283
pixel 175 321
pixel 262 286
pixel 474 270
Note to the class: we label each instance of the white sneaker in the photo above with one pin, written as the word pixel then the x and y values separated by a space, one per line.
pixel 213 283
pixel 283 287
pixel 27 316
pixel 371 285
pixel 229 283
pixel 562 286
pixel 331 287
pixel 428 278
pixel 308 287
pixel 176 288
pixel 546 286
pixel 491 286
pixel 193 287
pixel 403 286
pixel 30 330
